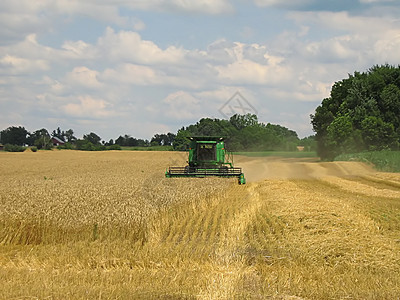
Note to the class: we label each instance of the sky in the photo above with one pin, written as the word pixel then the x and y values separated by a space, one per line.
pixel 141 67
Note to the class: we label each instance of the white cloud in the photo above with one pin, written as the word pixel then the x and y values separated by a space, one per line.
pixel 13 65
pixel 282 3
pixel 79 50
pixel 132 74
pixel 89 107
pixel 341 21
pixel 361 40
pixel 387 48
pixel 342 48
pixel 128 46
pixel 376 1
pixel 25 16
pixel 250 72
pixel 221 95
pixel 198 6
pixel 252 64
pixel 84 77
pixel 121 74
pixel 181 105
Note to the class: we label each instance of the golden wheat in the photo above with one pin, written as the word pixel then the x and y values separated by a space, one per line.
pixel 79 225
pixel 63 196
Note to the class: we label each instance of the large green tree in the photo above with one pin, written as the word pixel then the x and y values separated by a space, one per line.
pixel 362 113
pixel 14 135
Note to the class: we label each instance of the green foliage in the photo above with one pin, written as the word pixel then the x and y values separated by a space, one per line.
pixel 163 139
pixel 86 145
pixel 242 133
pixel 149 148
pixel 128 141
pixel 386 160
pixel 44 143
pixel 91 142
pixel 41 139
pixel 181 142
pixel 67 145
pixel 242 121
pixel 66 136
pixel 14 136
pixel 362 113
pixel 309 143
pixel 14 148
pixel 69 136
pixel 92 138
pixel 113 147
pixel 34 149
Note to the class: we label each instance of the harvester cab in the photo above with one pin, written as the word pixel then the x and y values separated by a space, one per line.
pixel 207 157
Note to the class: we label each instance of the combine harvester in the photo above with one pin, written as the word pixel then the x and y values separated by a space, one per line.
pixel 207 157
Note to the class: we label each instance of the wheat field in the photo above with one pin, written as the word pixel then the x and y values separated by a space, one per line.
pixel 108 225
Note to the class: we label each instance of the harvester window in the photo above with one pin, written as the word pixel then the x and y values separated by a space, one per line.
pixel 206 152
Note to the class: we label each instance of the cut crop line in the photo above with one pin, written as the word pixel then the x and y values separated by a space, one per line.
pixel 360 188
pixel 247 203
pixel 385 182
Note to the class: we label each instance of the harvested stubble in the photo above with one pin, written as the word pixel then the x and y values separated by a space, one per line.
pixel 108 225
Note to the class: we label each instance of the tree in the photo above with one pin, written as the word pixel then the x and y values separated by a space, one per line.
pixel 41 139
pixel 69 136
pixel 308 143
pixel 362 113
pixel 157 139
pixel 14 136
pixel 59 134
pixel 242 121
pixel 170 138
pixel 92 138
pixel 242 132
pixel 163 139
pixel 377 134
pixel 181 141
pixel 340 136
pixel 120 141
pixel 390 96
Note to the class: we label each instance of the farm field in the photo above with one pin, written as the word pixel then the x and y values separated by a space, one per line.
pixel 108 225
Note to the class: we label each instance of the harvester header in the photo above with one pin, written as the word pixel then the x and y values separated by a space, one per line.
pixel 207 157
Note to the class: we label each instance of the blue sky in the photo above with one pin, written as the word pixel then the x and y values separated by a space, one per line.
pixel 137 67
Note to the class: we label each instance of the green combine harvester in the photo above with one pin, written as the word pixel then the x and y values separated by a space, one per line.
pixel 207 157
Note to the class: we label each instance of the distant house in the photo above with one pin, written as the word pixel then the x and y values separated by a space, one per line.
pixel 300 148
pixel 1 146
pixel 57 141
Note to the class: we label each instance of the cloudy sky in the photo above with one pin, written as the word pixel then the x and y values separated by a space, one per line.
pixel 141 67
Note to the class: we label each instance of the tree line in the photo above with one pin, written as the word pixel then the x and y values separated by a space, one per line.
pixel 362 113
pixel 242 133
pixel 17 138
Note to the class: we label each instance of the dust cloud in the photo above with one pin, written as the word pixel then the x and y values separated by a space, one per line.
pixel 260 168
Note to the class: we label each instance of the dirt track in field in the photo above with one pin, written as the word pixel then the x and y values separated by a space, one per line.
pixel 259 168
